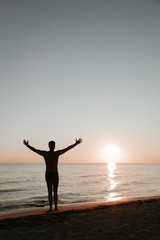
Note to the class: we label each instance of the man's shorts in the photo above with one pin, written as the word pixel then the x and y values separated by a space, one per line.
pixel 52 177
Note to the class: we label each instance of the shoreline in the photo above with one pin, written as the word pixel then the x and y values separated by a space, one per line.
pixel 81 207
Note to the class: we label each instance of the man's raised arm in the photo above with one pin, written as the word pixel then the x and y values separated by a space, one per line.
pixel 70 147
pixel 26 143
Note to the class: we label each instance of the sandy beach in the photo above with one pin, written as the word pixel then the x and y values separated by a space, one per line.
pixel 133 219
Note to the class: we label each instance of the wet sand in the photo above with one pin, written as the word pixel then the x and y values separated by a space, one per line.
pixel 133 219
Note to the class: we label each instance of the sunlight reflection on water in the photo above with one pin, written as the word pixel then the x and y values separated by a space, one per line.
pixel 111 175
pixel 112 196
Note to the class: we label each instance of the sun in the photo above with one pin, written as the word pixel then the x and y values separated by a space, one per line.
pixel 112 153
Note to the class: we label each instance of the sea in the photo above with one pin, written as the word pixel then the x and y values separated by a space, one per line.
pixel 23 186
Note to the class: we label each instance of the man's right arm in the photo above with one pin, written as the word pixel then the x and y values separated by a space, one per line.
pixel 26 143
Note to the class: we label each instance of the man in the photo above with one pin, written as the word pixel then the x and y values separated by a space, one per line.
pixel 51 160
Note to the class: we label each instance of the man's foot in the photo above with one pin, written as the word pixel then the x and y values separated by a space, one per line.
pixel 56 209
pixel 50 210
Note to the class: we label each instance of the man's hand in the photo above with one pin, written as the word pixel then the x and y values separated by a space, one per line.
pixel 78 140
pixel 26 142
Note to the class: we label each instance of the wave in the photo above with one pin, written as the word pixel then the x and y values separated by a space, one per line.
pixel 22 205
pixel 10 190
pixel 38 197
pixel 9 182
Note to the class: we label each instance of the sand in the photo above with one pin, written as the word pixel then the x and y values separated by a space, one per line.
pixel 134 219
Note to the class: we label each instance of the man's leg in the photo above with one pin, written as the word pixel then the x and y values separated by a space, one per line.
pixel 49 187
pixel 55 195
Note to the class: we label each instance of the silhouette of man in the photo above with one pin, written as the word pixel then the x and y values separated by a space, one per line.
pixel 51 175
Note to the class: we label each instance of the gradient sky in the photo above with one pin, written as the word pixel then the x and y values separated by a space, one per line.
pixel 80 68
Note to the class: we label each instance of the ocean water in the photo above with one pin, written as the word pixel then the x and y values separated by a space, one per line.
pixel 23 186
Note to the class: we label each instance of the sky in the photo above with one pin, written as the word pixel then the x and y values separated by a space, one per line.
pixel 80 68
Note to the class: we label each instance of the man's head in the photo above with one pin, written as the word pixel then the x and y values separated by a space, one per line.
pixel 51 145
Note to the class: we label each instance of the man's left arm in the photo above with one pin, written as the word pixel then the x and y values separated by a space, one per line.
pixel 60 152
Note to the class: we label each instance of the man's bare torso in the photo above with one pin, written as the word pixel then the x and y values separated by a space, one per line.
pixel 51 160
